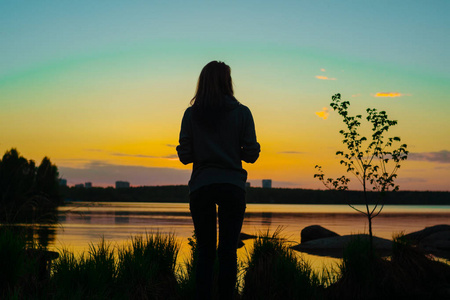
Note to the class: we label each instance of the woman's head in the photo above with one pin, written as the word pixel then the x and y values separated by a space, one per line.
pixel 213 84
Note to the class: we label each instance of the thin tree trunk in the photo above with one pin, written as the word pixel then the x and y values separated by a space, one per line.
pixel 370 234
pixel 369 215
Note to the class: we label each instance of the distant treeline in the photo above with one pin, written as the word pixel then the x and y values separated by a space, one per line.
pixel 180 194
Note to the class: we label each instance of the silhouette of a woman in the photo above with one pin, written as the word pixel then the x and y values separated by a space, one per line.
pixel 217 134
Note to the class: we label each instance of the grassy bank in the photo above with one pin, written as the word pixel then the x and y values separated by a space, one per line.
pixel 146 269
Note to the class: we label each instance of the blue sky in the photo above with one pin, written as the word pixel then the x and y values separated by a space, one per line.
pixel 398 32
pixel 116 76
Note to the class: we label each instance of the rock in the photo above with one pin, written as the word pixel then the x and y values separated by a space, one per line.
pixel 440 240
pixel 417 236
pixel 334 246
pixel 434 240
pixel 437 243
pixel 245 236
pixel 43 259
pixel 315 232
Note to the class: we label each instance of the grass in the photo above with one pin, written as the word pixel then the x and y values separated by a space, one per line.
pixel 13 263
pixel 92 275
pixel 274 271
pixel 146 269
pixel 408 274
pixel 187 272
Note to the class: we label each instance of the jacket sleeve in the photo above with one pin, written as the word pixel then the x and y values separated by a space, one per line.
pixel 184 149
pixel 250 148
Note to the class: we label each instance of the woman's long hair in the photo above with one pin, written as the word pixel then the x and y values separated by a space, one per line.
pixel 213 85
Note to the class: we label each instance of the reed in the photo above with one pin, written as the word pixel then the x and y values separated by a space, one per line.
pixel 416 274
pixel 92 275
pixel 274 271
pixel 358 272
pixel 144 269
pixel 186 279
pixel 147 268
pixel 12 261
pixel 407 274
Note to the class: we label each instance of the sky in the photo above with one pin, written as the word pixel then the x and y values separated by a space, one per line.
pixel 100 87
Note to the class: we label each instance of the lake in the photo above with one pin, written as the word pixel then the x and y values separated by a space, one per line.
pixel 82 223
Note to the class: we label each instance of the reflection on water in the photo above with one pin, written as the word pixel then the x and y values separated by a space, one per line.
pixel 36 225
pixel 121 217
pixel 82 223
pixel 43 234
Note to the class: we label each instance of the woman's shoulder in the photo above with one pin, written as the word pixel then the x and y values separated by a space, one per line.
pixel 187 115
pixel 243 108
pixel 188 110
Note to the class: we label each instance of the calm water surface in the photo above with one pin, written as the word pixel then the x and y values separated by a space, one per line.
pixel 82 223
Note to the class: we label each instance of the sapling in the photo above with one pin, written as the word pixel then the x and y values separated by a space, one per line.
pixel 373 161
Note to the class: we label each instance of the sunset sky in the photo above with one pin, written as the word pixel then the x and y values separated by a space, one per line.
pixel 100 87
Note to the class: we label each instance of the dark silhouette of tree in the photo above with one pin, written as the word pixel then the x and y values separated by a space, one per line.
pixel 374 161
pixel 24 187
pixel 16 181
pixel 47 180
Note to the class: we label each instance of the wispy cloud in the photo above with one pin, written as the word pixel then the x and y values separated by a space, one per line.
pixel 414 170
pixel 132 155
pixel 439 157
pixel 410 180
pixel 170 156
pixel 323 114
pixel 356 95
pixel 171 145
pixel 388 94
pixel 442 168
pixel 290 152
pixel 121 154
pixel 323 70
pixel 94 150
pixel 324 78
pixel 103 173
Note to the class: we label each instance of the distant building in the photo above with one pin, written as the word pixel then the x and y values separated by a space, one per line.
pixel 79 185
pixel 267 183
pixel 122 184
pixel 88 185
pixel 62 182
pixel 247 184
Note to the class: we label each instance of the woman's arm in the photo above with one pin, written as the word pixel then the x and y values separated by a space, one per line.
pixel 184 149
pixel 250 147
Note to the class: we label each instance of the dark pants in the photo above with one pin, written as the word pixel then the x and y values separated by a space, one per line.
pixel 231 207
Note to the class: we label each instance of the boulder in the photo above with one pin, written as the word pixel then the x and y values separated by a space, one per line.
pixel 437 243
pixel 315 232
pixel 43 260
pixel 245 236
pixel 334 246
pixel 417 236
